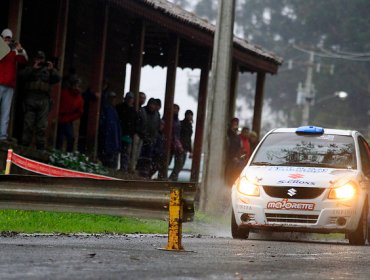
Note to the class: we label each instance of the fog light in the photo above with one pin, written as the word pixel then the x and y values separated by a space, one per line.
pixel 245 217
pixel 341 221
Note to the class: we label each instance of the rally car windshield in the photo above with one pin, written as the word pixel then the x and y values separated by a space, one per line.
pixel 291 149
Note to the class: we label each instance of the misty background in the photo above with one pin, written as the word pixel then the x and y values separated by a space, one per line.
pixel 336 31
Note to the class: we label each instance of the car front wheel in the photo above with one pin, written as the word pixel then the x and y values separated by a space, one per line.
pixel 236 232
pixel 359 236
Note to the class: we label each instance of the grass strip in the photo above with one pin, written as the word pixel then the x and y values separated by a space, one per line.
pixel 52 222
pixel 21 221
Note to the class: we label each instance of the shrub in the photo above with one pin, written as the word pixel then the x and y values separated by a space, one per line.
pixel 76 161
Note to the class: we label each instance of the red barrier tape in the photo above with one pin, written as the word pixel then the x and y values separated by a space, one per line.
pixel 49 170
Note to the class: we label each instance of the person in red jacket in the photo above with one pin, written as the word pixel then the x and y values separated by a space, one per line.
pixel 8 72
pixel 70 110
pixel 246 145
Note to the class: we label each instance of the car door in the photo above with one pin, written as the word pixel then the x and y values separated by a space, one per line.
pixel 365 164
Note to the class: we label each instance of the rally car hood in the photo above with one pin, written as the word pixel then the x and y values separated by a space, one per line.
pixel 298 176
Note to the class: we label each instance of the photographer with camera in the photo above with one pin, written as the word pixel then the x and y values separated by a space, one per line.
pixel 13 54
pixel 37 104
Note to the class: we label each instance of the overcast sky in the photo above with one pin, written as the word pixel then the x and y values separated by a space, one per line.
pixel 153 83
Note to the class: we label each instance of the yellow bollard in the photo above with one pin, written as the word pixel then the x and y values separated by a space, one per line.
pixel 8 162
pixel 175 222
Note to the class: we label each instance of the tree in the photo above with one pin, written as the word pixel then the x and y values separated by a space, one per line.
pixel 321 26
pixel 182 3
pixel 206 9
pixel 329 28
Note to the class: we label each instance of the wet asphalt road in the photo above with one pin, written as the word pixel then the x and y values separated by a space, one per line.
pixel 137 257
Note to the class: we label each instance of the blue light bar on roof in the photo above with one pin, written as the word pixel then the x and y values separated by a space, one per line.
pixel 310 130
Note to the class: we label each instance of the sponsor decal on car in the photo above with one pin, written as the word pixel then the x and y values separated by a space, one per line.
pixel 299 182
pixel 296 176
pixel 244 208
pixel 285 204
pixel 292 192
pixel 326 137
pixel 344 212
pixel 298 169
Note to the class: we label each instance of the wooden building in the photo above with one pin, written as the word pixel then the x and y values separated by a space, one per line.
pixel 100 37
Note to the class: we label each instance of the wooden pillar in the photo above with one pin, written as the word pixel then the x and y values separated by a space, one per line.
pixel 233 89
pixel 137 60
pixel 201 116
pixel 258 103
pixel 15 17
pixel 58 52
pixel 173 57
pixel 99 47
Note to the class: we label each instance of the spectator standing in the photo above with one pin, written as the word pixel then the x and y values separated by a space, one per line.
pixel 233 152
pixel 8 69
pixel 38 79
pixel 149 139
pixel 139 133
pixel 158 103
pixel 253 139
pixel 127 115
pixel 110 132
pixel 158 153
pixel 246 146
pixel 70 110
pixel 186 131
pixel 89 97
pixel 176 146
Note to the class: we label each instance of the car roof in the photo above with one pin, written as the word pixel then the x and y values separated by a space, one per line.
pixel 326 131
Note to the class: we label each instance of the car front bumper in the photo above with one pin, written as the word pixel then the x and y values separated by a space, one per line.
pixel 316 215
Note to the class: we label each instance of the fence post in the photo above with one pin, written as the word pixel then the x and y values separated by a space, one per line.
pixel 8 162
pixel 175 222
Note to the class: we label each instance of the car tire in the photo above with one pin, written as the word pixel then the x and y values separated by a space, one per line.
pixel 359 236
pixel 236 232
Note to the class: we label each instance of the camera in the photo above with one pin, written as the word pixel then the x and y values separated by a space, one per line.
pixel 12 44
pixel 53 60
pixel 43 64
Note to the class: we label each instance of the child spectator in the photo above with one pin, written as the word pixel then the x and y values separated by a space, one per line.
pixel 70 110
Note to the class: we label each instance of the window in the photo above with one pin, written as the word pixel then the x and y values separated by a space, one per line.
pixel 290 149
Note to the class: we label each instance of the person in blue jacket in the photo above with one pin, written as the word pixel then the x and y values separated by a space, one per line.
pixel 109 131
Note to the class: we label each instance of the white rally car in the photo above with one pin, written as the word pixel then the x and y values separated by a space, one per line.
pixel 307 179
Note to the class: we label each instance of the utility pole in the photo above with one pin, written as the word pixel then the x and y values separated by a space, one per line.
pixel 214 188
pixel 308 91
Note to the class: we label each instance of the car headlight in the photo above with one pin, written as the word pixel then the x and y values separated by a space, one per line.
pixel 346 191
pixel 247 187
